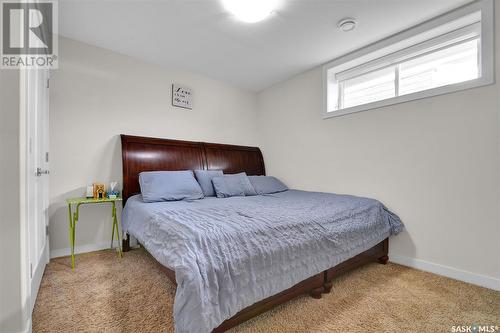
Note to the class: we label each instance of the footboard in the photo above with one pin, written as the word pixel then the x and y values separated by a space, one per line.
pixel 378 253
pixel 312 285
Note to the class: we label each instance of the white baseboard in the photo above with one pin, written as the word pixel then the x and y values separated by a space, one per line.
pixel 55 253
pixel 29 326
pixel 457 274
pixel 36 280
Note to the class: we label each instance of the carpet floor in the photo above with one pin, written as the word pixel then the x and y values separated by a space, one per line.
pixel 107 294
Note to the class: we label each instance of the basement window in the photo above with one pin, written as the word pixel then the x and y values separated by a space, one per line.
pixel 450 53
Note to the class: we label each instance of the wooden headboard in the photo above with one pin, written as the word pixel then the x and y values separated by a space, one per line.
pixel 150 154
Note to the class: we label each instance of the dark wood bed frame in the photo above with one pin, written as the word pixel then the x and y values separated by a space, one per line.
pixel 151 154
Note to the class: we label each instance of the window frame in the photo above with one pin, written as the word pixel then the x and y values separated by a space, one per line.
pixel 408 39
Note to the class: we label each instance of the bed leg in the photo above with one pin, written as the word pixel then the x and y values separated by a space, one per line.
pixel 316 292
pixel 126 244
pixel 383 260
pixel 327 287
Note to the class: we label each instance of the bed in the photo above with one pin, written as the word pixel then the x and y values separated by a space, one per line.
pixel 232 259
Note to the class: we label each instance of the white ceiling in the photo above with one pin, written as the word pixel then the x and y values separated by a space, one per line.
pixel 199 35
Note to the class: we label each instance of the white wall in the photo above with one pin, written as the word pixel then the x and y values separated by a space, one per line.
pixel 14 302
pixel 435 162
pixel 97 95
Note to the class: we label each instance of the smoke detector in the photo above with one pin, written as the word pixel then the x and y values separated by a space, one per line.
pixel 347 24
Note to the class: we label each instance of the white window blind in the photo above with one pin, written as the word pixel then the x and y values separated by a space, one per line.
pixel 458 63
pixel 366 88
pixel 444 60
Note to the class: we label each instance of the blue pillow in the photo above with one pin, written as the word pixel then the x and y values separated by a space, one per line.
pixel 267 184
pixel 233 185
pixel 204 177
pixel 169 186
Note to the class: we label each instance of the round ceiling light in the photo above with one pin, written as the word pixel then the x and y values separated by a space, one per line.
pixel 250 11
pixel 347 24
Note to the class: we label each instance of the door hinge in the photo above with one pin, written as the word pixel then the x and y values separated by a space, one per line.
pixel 48 83
pixel 46 230
pixel 31 270
pixel 47 157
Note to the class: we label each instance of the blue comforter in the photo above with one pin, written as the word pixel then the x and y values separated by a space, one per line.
pixel 230 253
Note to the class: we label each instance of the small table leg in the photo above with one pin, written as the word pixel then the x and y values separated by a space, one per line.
pixel 115 226
pixel 112 233
pixel 72 222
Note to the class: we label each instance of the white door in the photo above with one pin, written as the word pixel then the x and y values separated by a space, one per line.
pixel 37 178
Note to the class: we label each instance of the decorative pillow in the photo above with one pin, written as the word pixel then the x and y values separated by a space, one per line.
pixel 204 177
pixel 267 184
pixel 233 185
pixel 169 186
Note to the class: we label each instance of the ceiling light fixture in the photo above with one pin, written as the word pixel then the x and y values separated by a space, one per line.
pixel 347 24
pixel 250 11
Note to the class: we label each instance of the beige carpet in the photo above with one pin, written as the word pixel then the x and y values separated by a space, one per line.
pixel 107 294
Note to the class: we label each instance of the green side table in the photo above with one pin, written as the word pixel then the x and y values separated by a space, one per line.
pixel 73 219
